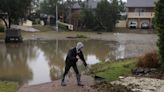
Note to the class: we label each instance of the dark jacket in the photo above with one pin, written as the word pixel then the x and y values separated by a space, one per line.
pixel 71 56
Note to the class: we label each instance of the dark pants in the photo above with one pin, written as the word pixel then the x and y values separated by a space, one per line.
pixel 68 65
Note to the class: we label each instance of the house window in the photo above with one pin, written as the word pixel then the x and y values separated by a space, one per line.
pixel 137 9
pixel 140 10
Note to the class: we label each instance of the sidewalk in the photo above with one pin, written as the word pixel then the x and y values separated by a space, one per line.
pixel 56 87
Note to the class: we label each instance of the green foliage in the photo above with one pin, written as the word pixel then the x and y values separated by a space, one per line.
pixel 122 6
pixel 48 6
pixel 112 70
pixel 1 28
pixel 8 86
pixel 15 9
pixel 43 28
pixel 63 27
pixel 159 26
pixel 80 36
pixel 104 17
pixel 107 14
pixel 88 18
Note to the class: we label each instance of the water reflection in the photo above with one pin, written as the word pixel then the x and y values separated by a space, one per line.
pixel 13 61
pixel 40 68
pixel 37 62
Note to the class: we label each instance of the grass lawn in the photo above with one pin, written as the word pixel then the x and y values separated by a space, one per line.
pixel 112 70
pixel 8 86
pixel 43 28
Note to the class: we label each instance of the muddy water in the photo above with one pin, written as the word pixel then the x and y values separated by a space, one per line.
pixel 35 62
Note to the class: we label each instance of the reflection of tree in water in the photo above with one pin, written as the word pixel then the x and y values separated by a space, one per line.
pixel 13 61
pixel 14 57
pixel 56 50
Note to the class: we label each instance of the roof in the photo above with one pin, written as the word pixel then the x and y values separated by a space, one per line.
pixel 92 3
pixel 76 6
pixel 140 3
pixel 89 3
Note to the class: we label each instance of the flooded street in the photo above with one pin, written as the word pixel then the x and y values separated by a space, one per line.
pixel 41 61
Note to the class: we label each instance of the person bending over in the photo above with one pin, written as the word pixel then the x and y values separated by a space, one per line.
pixel 72 57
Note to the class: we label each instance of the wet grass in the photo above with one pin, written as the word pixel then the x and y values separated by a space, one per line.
pixel 6 86
pixel 112 70
pixel 81 36
pixel 43 28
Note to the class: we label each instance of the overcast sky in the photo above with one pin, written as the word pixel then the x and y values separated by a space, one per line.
pixel 124 0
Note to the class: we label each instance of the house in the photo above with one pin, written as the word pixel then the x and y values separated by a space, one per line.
pixel 75 15
pixel 76 11
pixel 140 13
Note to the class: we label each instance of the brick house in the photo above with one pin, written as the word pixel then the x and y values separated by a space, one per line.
pixel 140 13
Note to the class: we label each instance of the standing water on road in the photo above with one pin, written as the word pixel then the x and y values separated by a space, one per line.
pixel 35 62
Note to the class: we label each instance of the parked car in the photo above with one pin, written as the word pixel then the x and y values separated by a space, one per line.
pixel 145 25
pixel 133 25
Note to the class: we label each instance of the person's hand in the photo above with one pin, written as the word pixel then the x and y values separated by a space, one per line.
pixel 85 64
pixel 77 57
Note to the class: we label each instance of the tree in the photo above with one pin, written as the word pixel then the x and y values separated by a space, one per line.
pixel 122 7
pixel 103 17
pixel 115 12
pixel 159 26
pixel 48 7
pixel 88 19
pixel 107 14
pixel 15 9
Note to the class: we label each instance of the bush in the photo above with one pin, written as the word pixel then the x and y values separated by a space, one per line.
pixel 80 36
pixel 148 60
pixel 159 26
pixel 1 29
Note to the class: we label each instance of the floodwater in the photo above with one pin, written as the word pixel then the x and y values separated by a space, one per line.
pixel 35 62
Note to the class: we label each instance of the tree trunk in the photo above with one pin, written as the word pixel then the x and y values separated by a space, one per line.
pixel 9 22
pixel 70 16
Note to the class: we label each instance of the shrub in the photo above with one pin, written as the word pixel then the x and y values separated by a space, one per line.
pixel 159 26
pixel 80 36
pixel 148 60
pixel 1 28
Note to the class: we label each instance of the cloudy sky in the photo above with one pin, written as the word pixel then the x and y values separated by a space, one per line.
pixel 124 0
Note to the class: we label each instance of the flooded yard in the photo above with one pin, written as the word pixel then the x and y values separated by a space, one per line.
pixel 35 62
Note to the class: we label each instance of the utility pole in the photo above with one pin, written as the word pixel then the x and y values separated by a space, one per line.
pixel 57 17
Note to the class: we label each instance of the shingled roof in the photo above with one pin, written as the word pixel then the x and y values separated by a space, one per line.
pixel 76 6
pixel 140 3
